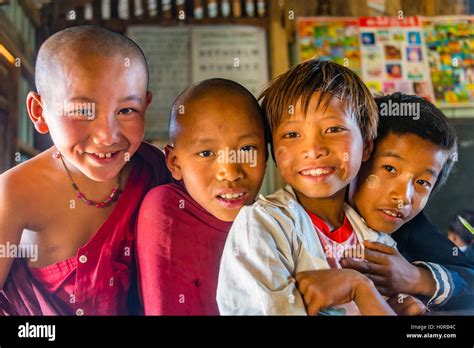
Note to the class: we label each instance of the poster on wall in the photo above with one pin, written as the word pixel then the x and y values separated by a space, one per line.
pixel 180 56
pixel 394 56
pixel 450 47
pixel 168 53
pixel 236 53
pixel 334 38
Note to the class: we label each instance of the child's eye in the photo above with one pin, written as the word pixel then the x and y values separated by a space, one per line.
pixel 205 153
pixel 127 111
pixel 334 130
pixel 290 135
pixel 248 148
pixel 424 183
pixel 390 169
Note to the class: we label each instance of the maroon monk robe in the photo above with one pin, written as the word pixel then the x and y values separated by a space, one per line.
pixel 97 280
pixel 179 247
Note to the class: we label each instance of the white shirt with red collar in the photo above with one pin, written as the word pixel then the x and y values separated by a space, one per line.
pixel 269 243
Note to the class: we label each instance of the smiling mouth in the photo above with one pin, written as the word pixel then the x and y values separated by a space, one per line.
pixel 103 157
pixel 103 154
pixel 232 200
pixel 318 172
pixel 231 196
pixel 393 213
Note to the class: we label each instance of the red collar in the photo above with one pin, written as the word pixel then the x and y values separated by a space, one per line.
pixel 339 235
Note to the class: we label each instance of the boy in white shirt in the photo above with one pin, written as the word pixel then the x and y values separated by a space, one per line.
pixel 323 120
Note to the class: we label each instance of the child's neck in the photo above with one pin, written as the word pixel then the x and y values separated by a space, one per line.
pixel 330 209
pixel 94 190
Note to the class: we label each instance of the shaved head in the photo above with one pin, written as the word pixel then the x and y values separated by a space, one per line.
pixel 215 87
pixel 73 44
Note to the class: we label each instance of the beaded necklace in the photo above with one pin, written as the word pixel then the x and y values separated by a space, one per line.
pixel 106 202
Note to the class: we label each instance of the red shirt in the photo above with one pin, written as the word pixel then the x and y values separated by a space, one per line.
pixel 179 247
pixel 97 280
pixel 339 235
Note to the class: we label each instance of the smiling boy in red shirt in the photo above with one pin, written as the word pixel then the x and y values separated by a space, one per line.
pixel 218 153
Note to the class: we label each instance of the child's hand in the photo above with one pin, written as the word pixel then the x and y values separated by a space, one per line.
pixel 407 305
pixel 391 273
pixel 325 288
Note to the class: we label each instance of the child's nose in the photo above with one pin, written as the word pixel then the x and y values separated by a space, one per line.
pixel 403 192
pixel 314 148
pixel 229 172
pixel 106 130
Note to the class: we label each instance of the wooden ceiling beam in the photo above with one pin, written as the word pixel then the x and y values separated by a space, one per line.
pixel 64 6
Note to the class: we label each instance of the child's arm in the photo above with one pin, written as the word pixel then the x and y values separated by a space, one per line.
pixel 163 264
pixel 325 288
pixel 12 211
pixel 420 240
pixel 444 286
pixel 257 267
pixel 391 272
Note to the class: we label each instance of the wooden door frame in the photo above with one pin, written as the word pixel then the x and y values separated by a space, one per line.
pixel 11 136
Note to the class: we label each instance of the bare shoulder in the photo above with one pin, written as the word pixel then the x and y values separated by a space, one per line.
pixel 21 185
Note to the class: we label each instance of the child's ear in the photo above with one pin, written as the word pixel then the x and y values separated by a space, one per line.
pixel 368 148
pixel 149 98
pixel 172 162
pixel 35 109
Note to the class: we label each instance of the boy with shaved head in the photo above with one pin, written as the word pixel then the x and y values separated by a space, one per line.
pixel 218 154
pixel 76 203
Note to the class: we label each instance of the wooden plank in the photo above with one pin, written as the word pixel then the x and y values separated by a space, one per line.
pixel 11 124
pixel 131 9
pixel 79 13
pixel 358 8
pixel 97 10
pixel 411 8
pixel 121 25
pixel 146 8
pixel 393 7
pixel 428 8
pixel 31 11
pixel 278 44
pixel 3 103
pixel 64 6
pixel 15 44
pixel 279 62
pixel 114 12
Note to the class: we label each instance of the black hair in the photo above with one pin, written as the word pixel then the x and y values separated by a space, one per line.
pixel 429 124
pixel 330 80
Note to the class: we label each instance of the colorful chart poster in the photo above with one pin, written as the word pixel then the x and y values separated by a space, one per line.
pixel 393 56
pixel 335 39
pixel 450 43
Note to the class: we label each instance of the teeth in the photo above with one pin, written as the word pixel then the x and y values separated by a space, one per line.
pixel 231 195
pixel 315 172
pixel 104 154
pixel 388 212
